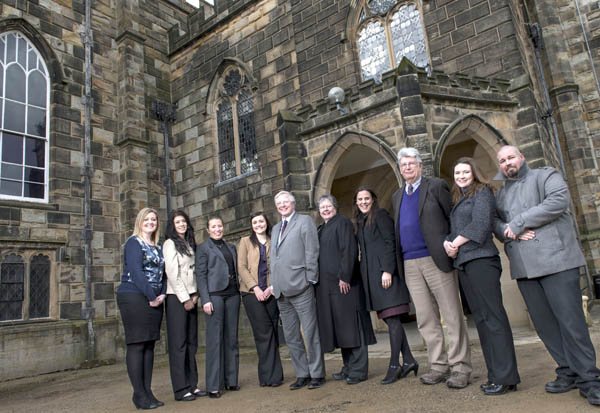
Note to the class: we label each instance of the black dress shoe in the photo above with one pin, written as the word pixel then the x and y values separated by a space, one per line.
pixel 214 394
pixel 154 400
pixel 408 367
pixel 299 383
pixel 200 393
pixel 276 384
pixel 560 385
pixel 188 397
pixel 143 403
pixel 485 385
pixel 316 383
pixel 339 376
pixel 499 389
pixel 232 388
pixel 392 375
pixel 353 380
pixel 592 395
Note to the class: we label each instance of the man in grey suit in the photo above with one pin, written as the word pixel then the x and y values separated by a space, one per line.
pixel 536 226
pixel 294 263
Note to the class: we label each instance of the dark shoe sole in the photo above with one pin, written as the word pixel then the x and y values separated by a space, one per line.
pixel 560 389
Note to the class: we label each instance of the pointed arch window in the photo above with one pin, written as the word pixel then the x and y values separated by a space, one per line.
pixel 24 110
pixel 235 126
pixel 389 30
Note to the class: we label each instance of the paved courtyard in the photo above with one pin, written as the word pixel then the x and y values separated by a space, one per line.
pixel 107 389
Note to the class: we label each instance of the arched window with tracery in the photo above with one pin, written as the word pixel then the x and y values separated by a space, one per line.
pixel 235 125
pixel 24 110
pixel 389 30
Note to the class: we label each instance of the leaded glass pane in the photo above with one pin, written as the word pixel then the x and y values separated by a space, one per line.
pixel 12 286
pixel 32 61
pixel 373 51
pixel 226 140
pixel 35 152
pixel 408 38
pixel 15 79
pixel 14 116
pixel 245 109
pixel 362 16
pixel 39 287
pixel 2 47
pixel 381 6
pixel 22 51
pixel 36 89
pixel 233 82
pixel 1 81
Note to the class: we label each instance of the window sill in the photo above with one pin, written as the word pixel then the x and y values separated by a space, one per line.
pixel 236 178
pixel 28 204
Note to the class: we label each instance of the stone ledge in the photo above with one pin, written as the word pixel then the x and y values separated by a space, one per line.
pixel 28 205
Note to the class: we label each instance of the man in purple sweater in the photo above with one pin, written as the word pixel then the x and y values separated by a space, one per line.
pixel 421 212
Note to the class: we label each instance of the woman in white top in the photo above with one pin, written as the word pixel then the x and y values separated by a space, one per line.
pixel 181 308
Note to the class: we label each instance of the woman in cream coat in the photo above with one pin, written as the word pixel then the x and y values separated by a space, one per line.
pixel 259 302
pixel 182 309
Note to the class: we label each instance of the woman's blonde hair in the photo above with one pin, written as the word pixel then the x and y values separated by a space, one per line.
pixel 139 220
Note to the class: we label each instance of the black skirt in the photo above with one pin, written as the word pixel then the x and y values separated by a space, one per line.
pixel 140 321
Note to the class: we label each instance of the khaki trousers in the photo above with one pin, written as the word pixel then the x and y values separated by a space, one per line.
pixel 433 290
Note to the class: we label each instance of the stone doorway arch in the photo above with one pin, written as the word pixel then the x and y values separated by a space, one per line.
pixel 472 136
pixel 355 159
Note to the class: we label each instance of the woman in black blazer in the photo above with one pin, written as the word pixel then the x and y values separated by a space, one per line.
pixel 385 291
pixel 217 278
pixel 476 257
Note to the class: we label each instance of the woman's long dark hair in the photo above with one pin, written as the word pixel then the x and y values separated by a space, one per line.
pixel 188 237
pixel 253 238
pixel 374 205
pixel 479 181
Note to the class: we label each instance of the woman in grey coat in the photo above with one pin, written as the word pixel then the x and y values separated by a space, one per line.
pixel 476 257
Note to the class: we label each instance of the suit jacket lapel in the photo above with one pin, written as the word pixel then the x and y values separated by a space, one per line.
pixel 216 250
pixel 422 193
pixel 288 228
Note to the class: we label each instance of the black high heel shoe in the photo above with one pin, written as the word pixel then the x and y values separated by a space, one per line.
pixel 393 374
pixel 407 368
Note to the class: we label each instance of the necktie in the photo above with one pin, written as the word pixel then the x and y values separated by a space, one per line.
pixel 410 189
pixel 283 225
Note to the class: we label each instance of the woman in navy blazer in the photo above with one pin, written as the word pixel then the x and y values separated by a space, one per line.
pixel 216 273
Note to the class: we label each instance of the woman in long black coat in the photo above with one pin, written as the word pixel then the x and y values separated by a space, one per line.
pixel 341 312
pixel 385 290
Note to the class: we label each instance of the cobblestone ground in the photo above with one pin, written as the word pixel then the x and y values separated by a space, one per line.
pixel 107 389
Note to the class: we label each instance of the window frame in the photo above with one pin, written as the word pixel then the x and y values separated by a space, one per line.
pixel 46 138
pixel 233 100
pixel 385 21
pixel 27 256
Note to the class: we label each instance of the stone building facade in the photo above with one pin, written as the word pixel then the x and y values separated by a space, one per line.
pixel 250 80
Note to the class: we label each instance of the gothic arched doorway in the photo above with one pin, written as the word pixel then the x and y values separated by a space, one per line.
pixel 472 136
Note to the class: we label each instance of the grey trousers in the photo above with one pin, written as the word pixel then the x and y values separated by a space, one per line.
pixel 301 311
pixel 222 351
pixel 554 304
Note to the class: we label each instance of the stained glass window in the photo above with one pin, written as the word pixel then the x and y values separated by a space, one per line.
pixel 235 127
pixel 389 26
pixel 24 106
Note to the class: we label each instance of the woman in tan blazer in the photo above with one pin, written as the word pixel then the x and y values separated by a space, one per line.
pixel 181 308
pixel 258 299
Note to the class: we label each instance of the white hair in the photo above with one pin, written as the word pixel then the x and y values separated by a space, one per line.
pixel 289 194
pixel 409 153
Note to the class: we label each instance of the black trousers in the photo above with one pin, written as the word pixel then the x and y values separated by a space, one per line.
pixel 356 359
pixel 182 333
pixel 480 280
pixel 555 306
pixel 222 351
pixel 264 319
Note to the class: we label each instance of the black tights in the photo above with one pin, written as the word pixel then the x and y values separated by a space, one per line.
pixel 140 360
pixel 398 341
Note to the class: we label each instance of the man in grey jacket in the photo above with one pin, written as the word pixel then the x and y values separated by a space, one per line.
pixel 536 226
pixel 294 270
